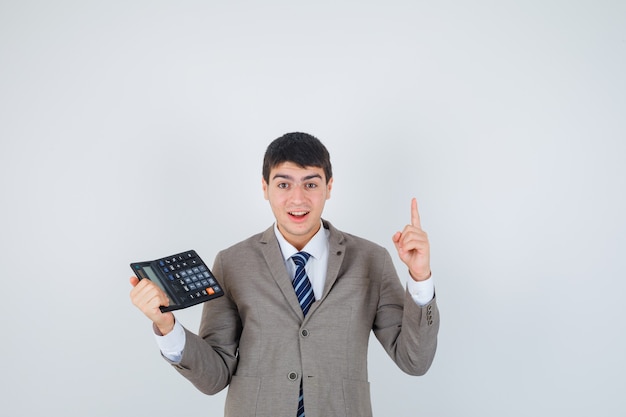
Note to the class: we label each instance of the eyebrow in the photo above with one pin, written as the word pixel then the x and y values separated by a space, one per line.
pixel 290 178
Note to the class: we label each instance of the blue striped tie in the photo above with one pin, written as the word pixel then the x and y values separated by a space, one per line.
pixel 301 283
pixel 304 292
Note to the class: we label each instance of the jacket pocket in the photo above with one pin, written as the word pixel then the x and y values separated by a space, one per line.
pixel 356 394
pixel 242 397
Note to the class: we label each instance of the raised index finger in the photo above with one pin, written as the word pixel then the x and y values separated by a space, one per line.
pixel 415 215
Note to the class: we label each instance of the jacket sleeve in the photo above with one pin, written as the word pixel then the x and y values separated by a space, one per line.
pixel 407 331
pixel 210 357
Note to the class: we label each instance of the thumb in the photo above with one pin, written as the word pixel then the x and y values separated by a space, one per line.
pixel 396 241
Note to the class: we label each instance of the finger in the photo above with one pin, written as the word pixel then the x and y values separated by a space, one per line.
pixel 415 215
pixel 146 290
pixel 134 281
pixel 414 240
pixel 396 238
pixel 148 297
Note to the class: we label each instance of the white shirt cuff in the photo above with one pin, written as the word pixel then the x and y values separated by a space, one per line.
pixel 421 291
pixel 173 343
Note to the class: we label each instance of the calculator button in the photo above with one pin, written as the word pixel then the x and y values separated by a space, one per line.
pixel 210 291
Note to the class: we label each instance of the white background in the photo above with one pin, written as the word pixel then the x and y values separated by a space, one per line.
pixel 134 129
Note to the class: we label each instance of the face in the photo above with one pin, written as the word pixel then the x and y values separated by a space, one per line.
pixel 297 196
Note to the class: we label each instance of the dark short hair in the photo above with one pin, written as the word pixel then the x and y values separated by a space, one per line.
pixel 302 149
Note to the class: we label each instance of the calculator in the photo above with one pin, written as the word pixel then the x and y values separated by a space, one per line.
pixel 184 277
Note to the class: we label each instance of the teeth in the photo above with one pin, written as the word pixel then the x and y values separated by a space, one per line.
pixel 298 213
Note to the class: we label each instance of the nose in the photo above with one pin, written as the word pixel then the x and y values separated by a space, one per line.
pixel 297 192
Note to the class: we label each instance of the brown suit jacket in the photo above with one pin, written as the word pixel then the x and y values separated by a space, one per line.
pixel 256 341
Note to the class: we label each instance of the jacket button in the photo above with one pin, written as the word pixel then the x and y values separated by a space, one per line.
pixel 292 376
pixel 304 332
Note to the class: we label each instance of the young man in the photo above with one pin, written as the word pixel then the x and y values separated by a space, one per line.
pixel 290 335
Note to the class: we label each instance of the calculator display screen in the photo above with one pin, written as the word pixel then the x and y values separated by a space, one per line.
pixel 153 277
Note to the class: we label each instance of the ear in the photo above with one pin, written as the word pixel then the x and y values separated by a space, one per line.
pixel 329 186
pixel 264 188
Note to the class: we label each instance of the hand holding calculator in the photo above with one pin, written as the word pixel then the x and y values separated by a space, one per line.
pixel 184 277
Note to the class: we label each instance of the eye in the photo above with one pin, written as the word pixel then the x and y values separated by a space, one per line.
pixel 282 185
pixel 311 185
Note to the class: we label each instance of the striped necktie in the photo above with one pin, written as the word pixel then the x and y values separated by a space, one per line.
pixel 304 292
pixel 301 283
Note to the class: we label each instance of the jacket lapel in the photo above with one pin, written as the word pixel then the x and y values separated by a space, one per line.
pixel 336 254
pixel 276 264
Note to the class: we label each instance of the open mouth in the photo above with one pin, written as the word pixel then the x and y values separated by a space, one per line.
pixel 298 214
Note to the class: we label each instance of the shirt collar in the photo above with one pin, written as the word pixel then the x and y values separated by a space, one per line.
pixel 317 246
